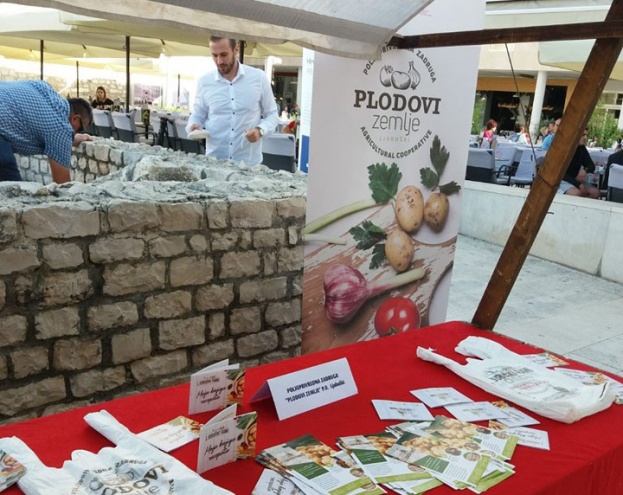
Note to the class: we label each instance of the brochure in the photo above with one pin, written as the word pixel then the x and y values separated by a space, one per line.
pixel 442 396
pixel 10 470
pixel 216 386
pixel 528 437
pixel 514 417
pixel 405 411
pixel 226 438
pixel 545 359
pixel 273 483
pixel 475 411
pixel 312 462
pixel 173 434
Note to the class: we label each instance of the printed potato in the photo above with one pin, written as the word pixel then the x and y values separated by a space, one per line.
pixel 436 211
pixel 399 250
pixel 409 208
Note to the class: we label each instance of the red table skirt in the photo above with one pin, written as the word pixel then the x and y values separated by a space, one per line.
pixel 585 457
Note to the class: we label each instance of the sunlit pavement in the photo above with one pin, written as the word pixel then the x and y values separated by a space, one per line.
pixel 559 309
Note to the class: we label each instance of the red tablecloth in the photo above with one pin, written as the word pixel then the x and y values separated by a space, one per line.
pixel 585 457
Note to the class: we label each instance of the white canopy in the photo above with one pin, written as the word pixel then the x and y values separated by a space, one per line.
pixel 351 28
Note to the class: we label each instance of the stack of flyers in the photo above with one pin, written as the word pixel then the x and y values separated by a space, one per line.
pixel 368 451
pixel 312 466
pixel 272 483
pixel 10 470
pixel 447 450
pixel 172 434
pixel 529 437
pixel 594 378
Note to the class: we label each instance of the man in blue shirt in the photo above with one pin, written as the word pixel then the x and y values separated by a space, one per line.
pixel 36 120
pixel 235 105
pixel 547 141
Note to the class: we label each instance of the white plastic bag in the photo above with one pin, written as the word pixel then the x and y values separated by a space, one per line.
pixel 515 378
pixel 133 467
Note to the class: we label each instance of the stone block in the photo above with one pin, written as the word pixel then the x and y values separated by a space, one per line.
pixel 114 249
pixel 224 242
pixel 290 259
pixel 216 326
pixel 29 361
pixel 131 216
pixel 8 225
pixel 195 270
pixel 257 343
pixel 12 330
pixel 20 399
pixel 61 221
pixel 18 259
pixel 240 264
pixel 214 297
pixel 291 336
pixel 251 214
pixel 130 279
pixel 167 247
pixel 131 346
pixel 212 353
pixel 94 381
pixel 107 316
pixel 56 323
pixel 156 366
pixel 59 256
pixel 292 208
pixel 168 305
pixel 283 313
pixel 2 294
pixel 188 332
pixel 66 287
pixel 4 369
pixel 198 243
pixel 181 217
pixel 101 152
pixel 268 238
pixel 263 290
pixel 245 320
pixel 75 354
pixel 218 215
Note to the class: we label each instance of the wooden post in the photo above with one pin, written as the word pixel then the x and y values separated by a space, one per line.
pixel 577 114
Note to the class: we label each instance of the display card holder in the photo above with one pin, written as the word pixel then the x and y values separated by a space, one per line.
pixel 310 388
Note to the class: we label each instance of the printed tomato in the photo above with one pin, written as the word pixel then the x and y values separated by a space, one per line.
pixel 396 314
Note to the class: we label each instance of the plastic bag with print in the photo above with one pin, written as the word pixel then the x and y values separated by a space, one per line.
pixel 515 378
pixel 133 467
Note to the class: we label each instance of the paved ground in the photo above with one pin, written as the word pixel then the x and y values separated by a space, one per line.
pixel 570 313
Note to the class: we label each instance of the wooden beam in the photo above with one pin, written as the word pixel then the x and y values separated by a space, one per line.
pixel 588 30
pixel 585 96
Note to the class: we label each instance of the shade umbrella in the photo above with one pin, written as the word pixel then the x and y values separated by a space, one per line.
pixel 353 28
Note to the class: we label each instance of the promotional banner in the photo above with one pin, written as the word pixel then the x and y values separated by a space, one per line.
pixel 387 159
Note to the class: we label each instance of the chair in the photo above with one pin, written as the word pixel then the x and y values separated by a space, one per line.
pixel 103 123
pixel 507 163
pixel 172 138
pixel 279 151
pixel 480 165
pixel 615 184
pixel 187 145
pixel 126 127
pixel 526 170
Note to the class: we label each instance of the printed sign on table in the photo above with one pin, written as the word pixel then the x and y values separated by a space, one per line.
pixel 387 158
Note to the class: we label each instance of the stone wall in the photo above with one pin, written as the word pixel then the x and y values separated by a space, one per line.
pixel 143 276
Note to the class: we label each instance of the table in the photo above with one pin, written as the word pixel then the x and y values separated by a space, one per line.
pixel 585 457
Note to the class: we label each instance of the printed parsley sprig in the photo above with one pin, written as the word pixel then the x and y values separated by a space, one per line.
pixel 431 177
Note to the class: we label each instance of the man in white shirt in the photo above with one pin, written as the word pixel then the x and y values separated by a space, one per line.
pixel 235 105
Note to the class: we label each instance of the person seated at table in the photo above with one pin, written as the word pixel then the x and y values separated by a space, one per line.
pixel 573 183
pixel 547 140
pixel 520 136
pixel 101 101
pixel 489 131
pixel 616 157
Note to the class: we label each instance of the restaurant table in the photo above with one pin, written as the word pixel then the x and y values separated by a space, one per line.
pixel 586 457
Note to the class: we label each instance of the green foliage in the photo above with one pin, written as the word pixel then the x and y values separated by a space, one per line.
pixel 603 126
pixel 367 234
pixel 383 181
pixel 478 115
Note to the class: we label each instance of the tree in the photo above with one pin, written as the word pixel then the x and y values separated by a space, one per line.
pixel 602 126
